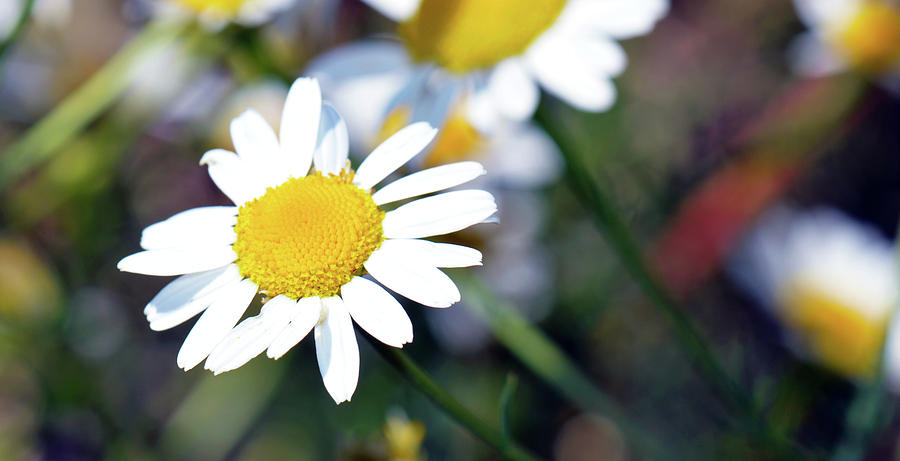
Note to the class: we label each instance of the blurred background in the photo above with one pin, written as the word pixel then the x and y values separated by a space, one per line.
pixel 712 132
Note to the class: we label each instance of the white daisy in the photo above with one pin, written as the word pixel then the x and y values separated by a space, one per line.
pixel 497 53
pixel 305 240
pixel 829 279
pixel 862 35
pixel 217 13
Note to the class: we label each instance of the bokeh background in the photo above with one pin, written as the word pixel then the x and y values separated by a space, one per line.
pixel 711 129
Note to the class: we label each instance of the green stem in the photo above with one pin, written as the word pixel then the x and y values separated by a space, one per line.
pixel 18 30
pixel 84 105
pixel 396 357
pixel 534 349
pixel 610 223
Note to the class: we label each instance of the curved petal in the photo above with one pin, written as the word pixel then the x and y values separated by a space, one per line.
pixel 435 254
pixel 397 10
pixel 393 153
pixel 439 214
pixel 564 72
pixel 177 261
pixel 412 277
pixel 304 319
pixel 333 149
pixel 428 181
pixel 252 336
pixel 253 138
pixel 337 351
pixel 234 178
pixel 221 316
pixel 187 296
pixel 377 312
pixel 513 91
pixel 300 125
pixel 211 224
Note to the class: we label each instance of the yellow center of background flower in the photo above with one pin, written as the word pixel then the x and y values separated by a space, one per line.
pixel 464 35
pixel 226 7
pixel 871 39
pixel 457 140
pixel 837 333
pixel 308 236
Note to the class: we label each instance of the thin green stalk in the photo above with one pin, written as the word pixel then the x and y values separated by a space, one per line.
pixel 18 30
pixel 418 377
pixel 84 105
pixel 610 222
pixel 545 359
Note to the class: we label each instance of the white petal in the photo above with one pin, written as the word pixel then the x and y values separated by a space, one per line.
pixel 393 153
pixel 397 10
pixel 615 18
pixel 300 125
pixel 428 181
pixel 212 225
pixel 818 13
pixel 215 323
pixel 177 261
pixel 565 73
pixel 235 178
pixel 252 336
pixel 435 254
pixel 412 277
pixel 377 312
pixel 333 149
pixel 306 316
pixel 187 296
pixel 513 91
pixel 439 214
pixel 337 351
pixel 253 138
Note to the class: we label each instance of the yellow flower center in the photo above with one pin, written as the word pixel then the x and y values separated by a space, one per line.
pixel 464 35
pixel 838 334
pixel 223 7
pixel 870 40
pixel 308 236
pixel 456 141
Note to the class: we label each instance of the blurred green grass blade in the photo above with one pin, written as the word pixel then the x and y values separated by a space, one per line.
pixel 220 410
pixel 426 384
pixel 547 361
pixel 80 108
pixel 509 388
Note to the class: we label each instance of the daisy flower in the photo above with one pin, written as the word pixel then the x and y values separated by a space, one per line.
pixel 217 13
pixel 497 53
pixel 831 281
pixel 862 35
pixel 305 240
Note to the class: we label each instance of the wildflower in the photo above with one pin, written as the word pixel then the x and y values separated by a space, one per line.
pixel 830 280
pixel 217 13
pixel 862 35
pixel 304 241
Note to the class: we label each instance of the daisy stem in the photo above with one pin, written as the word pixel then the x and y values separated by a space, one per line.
pixel 610 222
pixel 85 104
pixel 418 377
pixel 18 30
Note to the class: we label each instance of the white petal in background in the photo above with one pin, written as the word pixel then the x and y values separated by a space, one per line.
pixel 512 90
pixel 563 71
pixel 300 125
pixel 252 336
pixel 393 153
pixel 397 10
pixel 305 317
pixel 212 225
pixel 187 296
pixel 412 276
pixel 333 149
pixel 377 312
pixel 337 351
pixel 212 327
pixel 428 181
pixel 178 261
pixel 439 214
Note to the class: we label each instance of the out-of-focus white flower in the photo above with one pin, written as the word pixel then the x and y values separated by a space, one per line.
pixel 862 35
pixel 831 281
pixel 496 54
pixel 303 239
pixel 217 13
